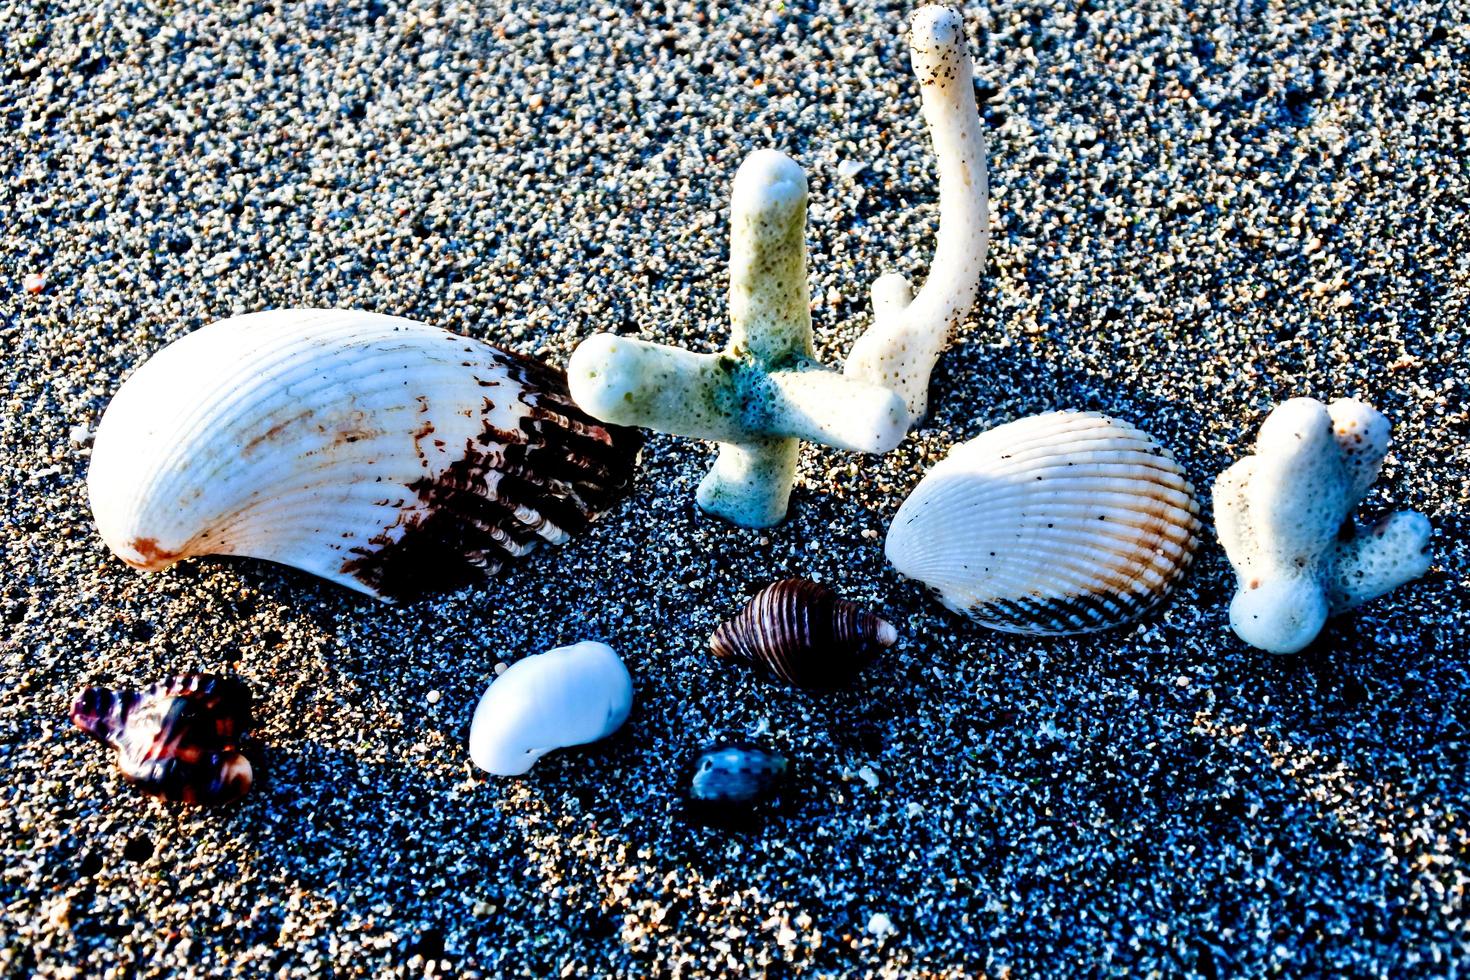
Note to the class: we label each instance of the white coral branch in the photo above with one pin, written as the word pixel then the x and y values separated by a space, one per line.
pixel 1282 516
pixel 909 331
pixel 765 391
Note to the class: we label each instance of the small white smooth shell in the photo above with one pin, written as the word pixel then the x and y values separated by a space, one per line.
pixel 387 455
pixel 567 696
pixel 1067 522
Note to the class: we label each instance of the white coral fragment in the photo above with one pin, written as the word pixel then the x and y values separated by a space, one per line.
pixel 1283 517
pixel 910 331
pixel 765 390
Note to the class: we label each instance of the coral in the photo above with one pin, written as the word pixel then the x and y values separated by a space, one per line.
pixel 765 390
pixel 1284 518
pixel 909 332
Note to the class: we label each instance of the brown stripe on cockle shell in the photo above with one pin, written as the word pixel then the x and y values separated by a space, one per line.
pixel 1124 592
pixel 509 492
pixel 804 634
pixel 1059 615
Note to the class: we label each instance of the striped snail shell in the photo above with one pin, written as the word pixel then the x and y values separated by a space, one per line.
pixel 178 740
pixel 804 634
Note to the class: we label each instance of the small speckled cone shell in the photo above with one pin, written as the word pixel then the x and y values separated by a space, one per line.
pixel 178 740
pixel 738 773
pixel 804 634
pixel 1067 522
pixel 386 455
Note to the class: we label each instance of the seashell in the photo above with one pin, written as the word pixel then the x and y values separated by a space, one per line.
pixel 387 455
pixel 1068 522
pixel 803 633
pixel 179 739
pixel 567 696
pixel 730 780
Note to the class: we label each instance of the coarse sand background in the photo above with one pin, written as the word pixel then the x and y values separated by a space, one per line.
pixel 1200 209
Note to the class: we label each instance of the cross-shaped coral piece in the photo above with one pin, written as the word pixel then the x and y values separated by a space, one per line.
pixel 765 390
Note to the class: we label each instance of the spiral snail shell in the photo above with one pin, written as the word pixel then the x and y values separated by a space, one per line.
pixel 804 634
pixel 178 740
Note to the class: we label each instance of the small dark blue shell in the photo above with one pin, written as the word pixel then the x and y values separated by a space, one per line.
pixel 731 779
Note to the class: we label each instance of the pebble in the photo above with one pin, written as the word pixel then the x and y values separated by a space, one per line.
pixel 880 925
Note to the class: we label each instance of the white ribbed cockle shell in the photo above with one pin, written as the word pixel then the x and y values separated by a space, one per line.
pixel 1068 522
pixel 384 454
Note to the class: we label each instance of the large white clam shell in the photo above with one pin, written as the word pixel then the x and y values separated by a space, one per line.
pixel 1067 522
pixel 567 696
pixel 381 453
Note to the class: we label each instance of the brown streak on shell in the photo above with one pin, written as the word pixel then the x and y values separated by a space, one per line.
pixel 154 557
pixel 274 433
pixel 804 634
pixel 562 466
